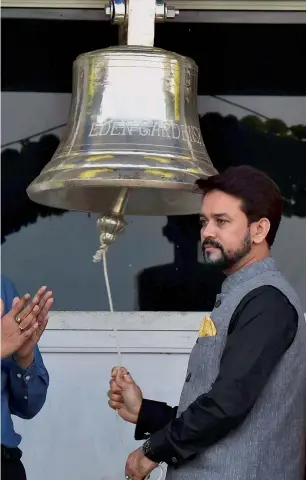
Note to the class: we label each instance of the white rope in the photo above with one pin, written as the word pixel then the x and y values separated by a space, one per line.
pixel 97 258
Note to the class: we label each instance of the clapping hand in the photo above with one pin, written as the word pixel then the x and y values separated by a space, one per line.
pixel 23 325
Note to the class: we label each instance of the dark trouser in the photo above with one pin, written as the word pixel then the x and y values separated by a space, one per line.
pixel 11 464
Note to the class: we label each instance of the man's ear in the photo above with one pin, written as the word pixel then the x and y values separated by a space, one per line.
pixel 260 230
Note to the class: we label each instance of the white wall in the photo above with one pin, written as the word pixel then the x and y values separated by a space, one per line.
pixel 76 435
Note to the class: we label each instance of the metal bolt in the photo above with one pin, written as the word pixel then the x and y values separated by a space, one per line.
pixel 172 12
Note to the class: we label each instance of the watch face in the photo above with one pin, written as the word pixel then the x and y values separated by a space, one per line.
pixel 145 447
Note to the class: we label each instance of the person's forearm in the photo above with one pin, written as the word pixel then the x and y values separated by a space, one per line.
pixel 152 417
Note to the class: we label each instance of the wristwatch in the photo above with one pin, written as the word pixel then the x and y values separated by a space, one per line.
pixel 147 451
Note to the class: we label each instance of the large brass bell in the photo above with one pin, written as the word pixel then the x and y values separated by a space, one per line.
pixel 133 123
pixel 133 140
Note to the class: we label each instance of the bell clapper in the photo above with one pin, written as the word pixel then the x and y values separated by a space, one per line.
pixel 111 224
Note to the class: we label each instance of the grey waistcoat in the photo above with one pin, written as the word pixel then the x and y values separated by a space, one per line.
pixel 270 444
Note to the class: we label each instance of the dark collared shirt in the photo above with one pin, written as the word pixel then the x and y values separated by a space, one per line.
pixel 261 330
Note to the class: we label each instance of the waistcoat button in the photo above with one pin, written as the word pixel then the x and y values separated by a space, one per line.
pixel 188 377
pixel 218 303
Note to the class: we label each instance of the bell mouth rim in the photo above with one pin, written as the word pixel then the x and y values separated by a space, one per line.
pixel 189 197
pixel 158 184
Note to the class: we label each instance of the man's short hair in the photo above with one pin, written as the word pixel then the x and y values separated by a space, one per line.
pixel 260 196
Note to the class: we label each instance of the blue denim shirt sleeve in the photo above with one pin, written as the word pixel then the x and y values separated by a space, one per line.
pixel 28 387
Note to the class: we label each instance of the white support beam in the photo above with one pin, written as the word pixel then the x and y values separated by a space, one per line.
pixel 225 5
pixel 141 22
pixel 137 332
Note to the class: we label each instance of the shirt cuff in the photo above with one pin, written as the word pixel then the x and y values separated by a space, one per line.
pixel 161 449
pixel 152 416
pixel 26 373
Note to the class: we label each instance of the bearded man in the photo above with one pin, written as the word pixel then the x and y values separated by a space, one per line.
pixel 241 414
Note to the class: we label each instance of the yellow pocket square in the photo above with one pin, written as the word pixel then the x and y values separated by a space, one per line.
pixel 207 328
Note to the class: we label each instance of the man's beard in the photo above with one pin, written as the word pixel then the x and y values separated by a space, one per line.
pixel 226 260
